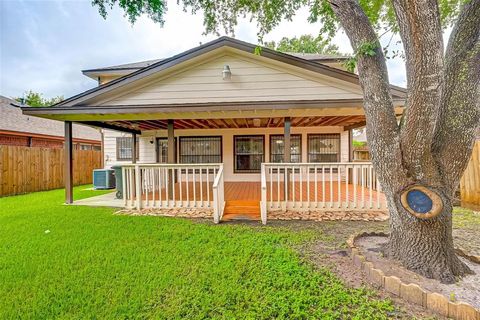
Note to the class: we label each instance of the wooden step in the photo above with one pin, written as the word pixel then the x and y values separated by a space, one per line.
pixel 241 210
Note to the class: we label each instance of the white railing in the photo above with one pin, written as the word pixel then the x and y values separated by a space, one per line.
pixel 263 201
pixel 218 196
pixel 320 186
pixel 173 186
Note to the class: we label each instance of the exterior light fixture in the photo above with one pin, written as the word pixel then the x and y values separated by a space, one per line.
pixel 256 122
pixel 226 73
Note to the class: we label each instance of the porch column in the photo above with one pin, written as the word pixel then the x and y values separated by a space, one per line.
pixel 171 142
pixel 134 148
pixel 286 152
pixel 170 154
pixel 286 133
pixel 350 154
pixel 350 145
pixel 68 163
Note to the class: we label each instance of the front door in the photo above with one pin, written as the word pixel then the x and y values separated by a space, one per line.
pixel 162 150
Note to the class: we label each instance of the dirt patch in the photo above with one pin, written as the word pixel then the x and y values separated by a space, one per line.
pixel 341 264
pixel 465 290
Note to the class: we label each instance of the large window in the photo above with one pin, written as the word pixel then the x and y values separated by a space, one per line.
pixel 124 149
pixel 201 149
pixel 277 148
pixel 249 153
pixel 323 148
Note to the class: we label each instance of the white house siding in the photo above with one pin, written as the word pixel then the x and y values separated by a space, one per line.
pixel 147 149
pixel 344 146
pixel 252 80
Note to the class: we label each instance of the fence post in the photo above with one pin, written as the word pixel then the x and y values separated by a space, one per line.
pixel 68 163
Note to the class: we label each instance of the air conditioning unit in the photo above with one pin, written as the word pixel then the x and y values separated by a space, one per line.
pixel 103 179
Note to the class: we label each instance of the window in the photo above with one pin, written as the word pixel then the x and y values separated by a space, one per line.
pixel 323 148
pixel 124 148
pixel 277 147
pixel 201 149
pixel 249 153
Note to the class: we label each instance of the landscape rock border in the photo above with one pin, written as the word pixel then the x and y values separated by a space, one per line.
pixel 329 215
pixel 169 212
pixel 412 292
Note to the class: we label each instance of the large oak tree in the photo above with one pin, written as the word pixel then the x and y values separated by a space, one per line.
pixel 420 160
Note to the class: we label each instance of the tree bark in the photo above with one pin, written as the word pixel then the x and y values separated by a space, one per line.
pixel 408 155
pixel 424 246
pixel 459 111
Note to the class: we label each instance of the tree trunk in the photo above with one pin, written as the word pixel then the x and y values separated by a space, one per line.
pixel 424 246
pixel 428 152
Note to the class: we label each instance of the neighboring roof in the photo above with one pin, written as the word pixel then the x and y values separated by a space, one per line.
pixel 12 119
pixel 142 64
pixel 122 67
pixel 397 92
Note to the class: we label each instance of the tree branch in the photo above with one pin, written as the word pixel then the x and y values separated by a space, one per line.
pixel 421 33
pixel 382 128
pixel 460 105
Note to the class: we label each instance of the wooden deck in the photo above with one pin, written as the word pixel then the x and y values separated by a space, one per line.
pixel 242 199
pixel 251 191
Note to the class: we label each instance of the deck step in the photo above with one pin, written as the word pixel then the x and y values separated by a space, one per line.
pixel 241 210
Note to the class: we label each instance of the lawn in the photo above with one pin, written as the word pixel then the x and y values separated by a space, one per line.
pixel 60 261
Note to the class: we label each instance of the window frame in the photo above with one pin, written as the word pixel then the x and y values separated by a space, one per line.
pixel 117 149
pixel 337 135
pixel 281 135
pixel 235 170
pixel 189 137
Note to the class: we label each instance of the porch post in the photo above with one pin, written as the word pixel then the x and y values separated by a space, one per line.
pixel 134 148
pixel 350 153
pixel 350 145
pixel 170 154
pixel 171 142
pixel 286 152
pixel 286 133
pixel 68 163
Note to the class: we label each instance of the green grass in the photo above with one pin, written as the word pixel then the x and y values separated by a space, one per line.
pixel 464 218
pixel 93 264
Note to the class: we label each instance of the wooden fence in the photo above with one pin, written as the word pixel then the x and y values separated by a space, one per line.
pixel 470 183
pixel 29 169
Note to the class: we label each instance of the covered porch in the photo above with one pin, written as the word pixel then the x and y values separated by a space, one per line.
pixel 303 187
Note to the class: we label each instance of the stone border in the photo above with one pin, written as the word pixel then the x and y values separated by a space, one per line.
pixel 329 215
pixel 169 212
pixel 412 292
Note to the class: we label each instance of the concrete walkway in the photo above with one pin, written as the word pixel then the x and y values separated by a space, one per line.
pixel 104 200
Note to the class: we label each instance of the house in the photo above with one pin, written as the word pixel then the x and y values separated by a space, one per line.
pixel 223 128
pixel 17 129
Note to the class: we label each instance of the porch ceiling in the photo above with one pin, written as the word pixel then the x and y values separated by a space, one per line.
pixel 235 123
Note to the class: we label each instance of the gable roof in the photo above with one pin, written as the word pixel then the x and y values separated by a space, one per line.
pixel 130 67
pixel 397 92
pixel 12 119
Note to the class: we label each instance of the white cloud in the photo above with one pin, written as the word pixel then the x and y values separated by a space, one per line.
pixel 45 45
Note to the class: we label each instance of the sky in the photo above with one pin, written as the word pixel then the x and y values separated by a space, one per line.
pixel 44 45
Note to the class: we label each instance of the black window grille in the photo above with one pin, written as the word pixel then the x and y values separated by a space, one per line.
pixel 124 149
pixel 277 148
pixel 324 148
pixel 249 153
pixel 206 149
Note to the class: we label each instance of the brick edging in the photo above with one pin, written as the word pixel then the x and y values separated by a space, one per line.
pixel 412 292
